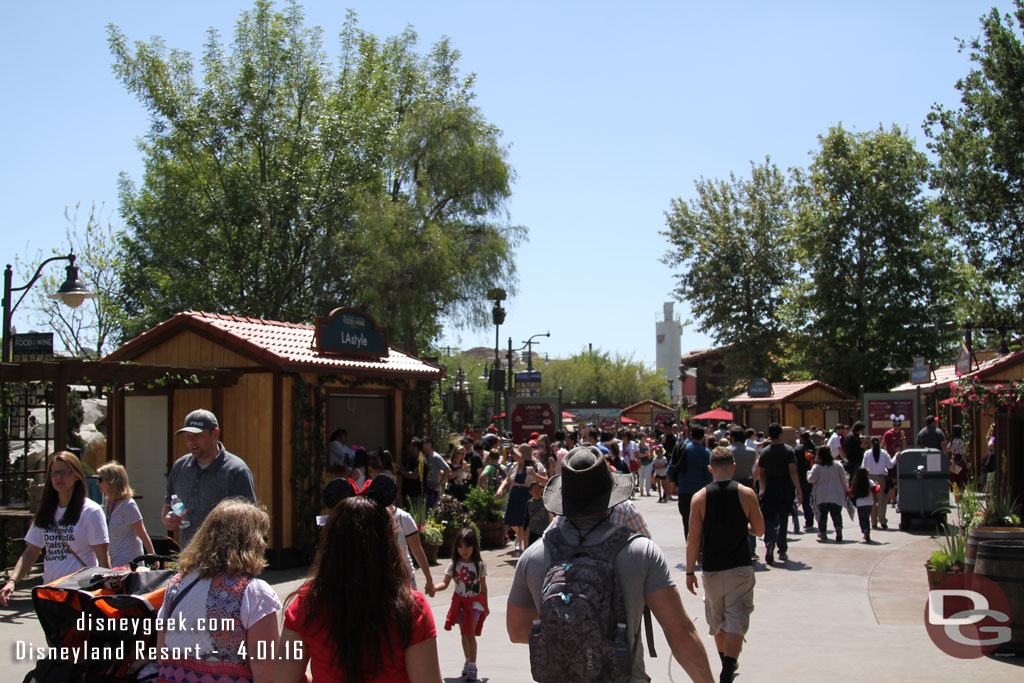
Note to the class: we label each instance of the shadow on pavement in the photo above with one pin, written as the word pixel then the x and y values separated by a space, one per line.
pixel 18 610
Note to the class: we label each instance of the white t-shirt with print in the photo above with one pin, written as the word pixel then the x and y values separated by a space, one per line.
pixel 466 576
pixel 90 530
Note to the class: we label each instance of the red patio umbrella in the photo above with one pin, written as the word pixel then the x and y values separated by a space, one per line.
pixel 716 414
pixel 628 421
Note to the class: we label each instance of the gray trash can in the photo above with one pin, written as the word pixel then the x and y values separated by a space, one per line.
pixel 922 475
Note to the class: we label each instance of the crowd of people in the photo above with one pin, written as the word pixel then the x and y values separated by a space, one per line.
pixel 581 542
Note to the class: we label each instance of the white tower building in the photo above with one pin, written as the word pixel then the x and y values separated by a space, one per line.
pixel 669 334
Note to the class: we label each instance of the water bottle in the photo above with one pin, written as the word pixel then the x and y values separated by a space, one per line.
pixel 178 508
pixel 621 648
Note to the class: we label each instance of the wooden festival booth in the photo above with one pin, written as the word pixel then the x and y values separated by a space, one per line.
pixel 797 404
pixel 650 412
pixel 295 384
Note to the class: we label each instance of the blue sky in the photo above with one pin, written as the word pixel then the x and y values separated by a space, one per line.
pixel 610 109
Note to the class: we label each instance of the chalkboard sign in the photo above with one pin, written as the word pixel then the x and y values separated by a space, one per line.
pixel 33 344
pixel 349 332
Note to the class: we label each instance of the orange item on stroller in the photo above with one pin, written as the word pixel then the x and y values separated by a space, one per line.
pixel 99 623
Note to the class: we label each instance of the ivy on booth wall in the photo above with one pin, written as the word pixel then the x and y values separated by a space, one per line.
pixel 309 441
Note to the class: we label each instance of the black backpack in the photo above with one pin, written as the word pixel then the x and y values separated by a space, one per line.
pixel 581 636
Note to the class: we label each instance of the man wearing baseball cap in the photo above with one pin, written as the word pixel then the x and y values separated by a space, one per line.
pixel 205 476
pixel 585 492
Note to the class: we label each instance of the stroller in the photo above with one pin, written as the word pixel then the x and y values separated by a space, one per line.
pixel 101 622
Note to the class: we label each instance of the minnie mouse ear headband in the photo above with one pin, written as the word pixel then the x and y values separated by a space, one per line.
pixel 896 418
pixel 381 488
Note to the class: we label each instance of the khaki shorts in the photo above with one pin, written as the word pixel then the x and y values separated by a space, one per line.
pixel 729 599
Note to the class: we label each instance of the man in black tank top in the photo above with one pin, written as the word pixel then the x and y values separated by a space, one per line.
pixel 722 514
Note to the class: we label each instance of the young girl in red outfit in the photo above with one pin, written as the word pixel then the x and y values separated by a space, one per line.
pixel 469 603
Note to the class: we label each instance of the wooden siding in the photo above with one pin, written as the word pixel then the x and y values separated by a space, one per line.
pixel 817 395
pixel 287 455
pixel 188 349
pixel 247 427
pixel 1008 374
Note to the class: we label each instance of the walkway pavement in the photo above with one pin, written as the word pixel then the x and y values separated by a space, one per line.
pixel 846 612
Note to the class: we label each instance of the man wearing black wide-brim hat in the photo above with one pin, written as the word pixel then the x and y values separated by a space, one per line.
pixel 585 492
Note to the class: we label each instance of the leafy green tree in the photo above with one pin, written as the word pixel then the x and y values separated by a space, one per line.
pixel 602 377
pixel 872 261
pixel 732 249
pixel 86 331
pixel 980 170
pixel 278 188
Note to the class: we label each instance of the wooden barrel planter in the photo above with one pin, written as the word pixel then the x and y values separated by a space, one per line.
pixel 450 533
pixel 987 533
pixel 1003 563
pixel 430 551
pixel 492 534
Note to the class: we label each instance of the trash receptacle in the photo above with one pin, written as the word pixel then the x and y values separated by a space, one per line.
pixel 922 475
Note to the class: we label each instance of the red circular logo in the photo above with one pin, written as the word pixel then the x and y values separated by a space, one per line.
pixel 968 616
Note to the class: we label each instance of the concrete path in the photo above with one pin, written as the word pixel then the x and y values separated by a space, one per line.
pixel 837 612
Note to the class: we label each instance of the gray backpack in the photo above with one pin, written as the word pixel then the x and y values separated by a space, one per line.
pixel 581 636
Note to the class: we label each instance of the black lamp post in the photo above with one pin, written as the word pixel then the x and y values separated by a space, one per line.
pixel 529 348
pixel 73 292
pixel 496 382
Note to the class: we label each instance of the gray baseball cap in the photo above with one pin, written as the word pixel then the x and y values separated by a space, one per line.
pixel 199 421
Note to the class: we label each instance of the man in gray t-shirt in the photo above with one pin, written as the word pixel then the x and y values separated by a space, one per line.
pixel 590 491
pixel 436 472
pixel 204 477
pixel 745 457
pixel 931 436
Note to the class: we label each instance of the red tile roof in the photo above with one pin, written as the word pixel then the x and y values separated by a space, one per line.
pixel 281 345
pixel 785 391
pixel 943 375
pixel 993 365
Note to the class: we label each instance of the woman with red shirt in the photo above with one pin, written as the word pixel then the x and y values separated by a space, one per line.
pixel 357 617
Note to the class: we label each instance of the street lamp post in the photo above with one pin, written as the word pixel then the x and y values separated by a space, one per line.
pixel 73 292
pixel 529 348
pixel 498 317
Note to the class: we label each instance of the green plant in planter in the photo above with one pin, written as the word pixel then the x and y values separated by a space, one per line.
pixel 418 510
pixel 483 506
pixel 969 503
pixel 432 533
pixel 1000 510
pixel 939 561
pixel 952 549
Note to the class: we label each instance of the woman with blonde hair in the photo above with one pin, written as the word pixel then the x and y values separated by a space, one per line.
pixel 69 525
pixel 231 616
pixel 128 537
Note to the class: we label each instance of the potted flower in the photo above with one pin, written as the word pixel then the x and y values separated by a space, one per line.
pixel 450 514
pixel 431 538
pixel 486 510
